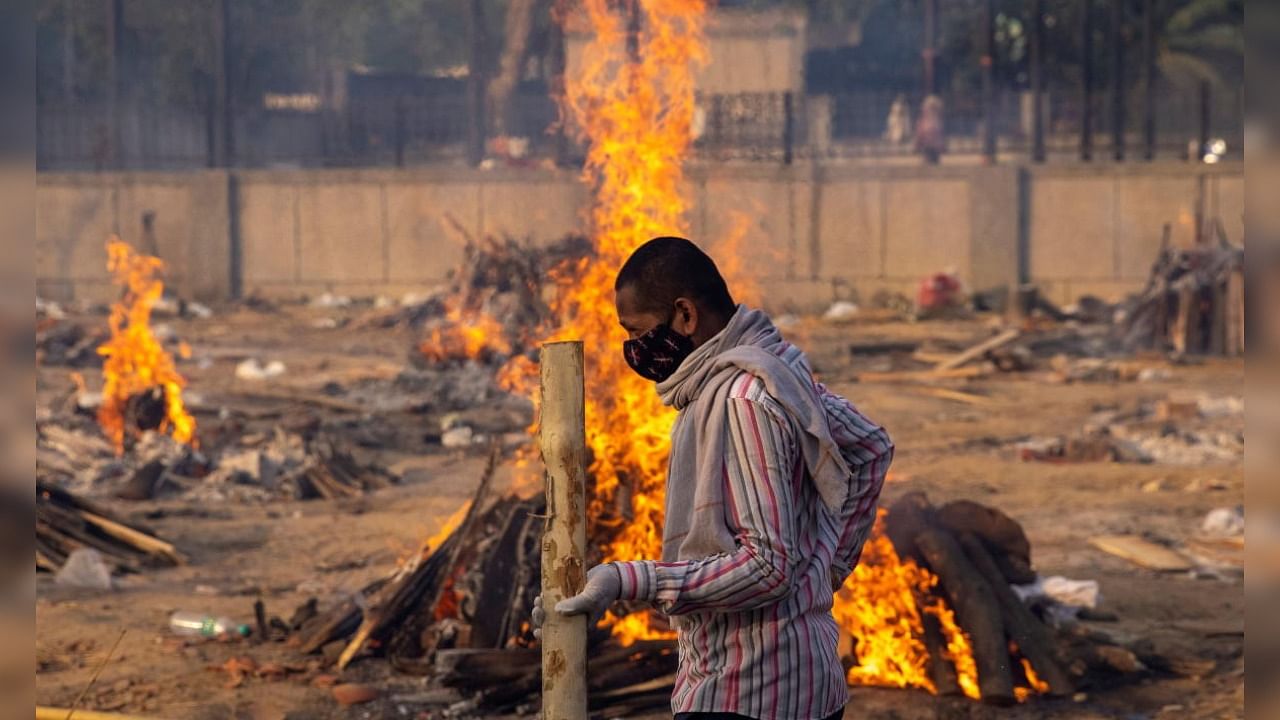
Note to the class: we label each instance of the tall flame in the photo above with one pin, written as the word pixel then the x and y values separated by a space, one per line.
pixel 134 361
pixel 632 98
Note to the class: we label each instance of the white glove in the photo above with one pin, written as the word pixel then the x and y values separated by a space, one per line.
pixel 603 587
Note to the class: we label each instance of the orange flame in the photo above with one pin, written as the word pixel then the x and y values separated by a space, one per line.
pixel 465 336
pixel 636 112
pixel 134 361
pixel 878 606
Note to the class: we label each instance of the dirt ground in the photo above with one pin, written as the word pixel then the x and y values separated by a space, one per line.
pixel 284 552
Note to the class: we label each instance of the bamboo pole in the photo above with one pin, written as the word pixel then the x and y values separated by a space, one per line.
pixel 562 437
pixel 54 713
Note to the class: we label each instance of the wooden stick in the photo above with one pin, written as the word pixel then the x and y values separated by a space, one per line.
pixel 953 395
pixel 140 540
pixel 980 349
pixel 562 436
pixel 54 713
pixel 925 375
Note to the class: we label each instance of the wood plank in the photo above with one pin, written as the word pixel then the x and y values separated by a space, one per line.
pixel 972 371
pixel 953 395
pixel 1141 552
pixel 982 348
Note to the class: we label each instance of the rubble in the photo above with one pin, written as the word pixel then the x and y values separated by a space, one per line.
pixel 66 523
pixel 1193 302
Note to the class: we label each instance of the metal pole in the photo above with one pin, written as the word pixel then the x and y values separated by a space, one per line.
pixel 559 15
pixel 1117 79
pixel 400 111
pixel 476 130
pixel 1205 110
pixel 928 52
pixel 115 49
pixel 788 127
pixel 562 438
pixel 1086 80
pixel 988 82
pixel 1148 81
pixel 1037 81
pixel 224 114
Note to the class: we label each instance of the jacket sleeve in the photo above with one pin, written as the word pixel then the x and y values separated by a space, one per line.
pixel 868 450
pixel 761 458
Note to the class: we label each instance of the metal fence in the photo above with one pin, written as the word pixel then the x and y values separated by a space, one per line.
pixel 761 127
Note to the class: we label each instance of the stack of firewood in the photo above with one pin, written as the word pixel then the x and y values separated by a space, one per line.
pixel 66 522
pixel 1193 302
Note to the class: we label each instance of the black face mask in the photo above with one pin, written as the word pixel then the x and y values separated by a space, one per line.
pixel 656 354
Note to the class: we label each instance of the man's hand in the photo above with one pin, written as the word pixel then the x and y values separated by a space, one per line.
pixel 602 590
pixel 604 585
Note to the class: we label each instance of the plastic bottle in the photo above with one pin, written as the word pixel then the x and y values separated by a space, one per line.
pixel 196 624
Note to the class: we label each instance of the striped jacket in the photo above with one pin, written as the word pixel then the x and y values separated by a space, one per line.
pixel 755 630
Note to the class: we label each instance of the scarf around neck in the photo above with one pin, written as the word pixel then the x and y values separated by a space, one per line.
pixel 695 525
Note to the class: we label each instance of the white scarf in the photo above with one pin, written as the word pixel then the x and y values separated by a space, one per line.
pixel 695 525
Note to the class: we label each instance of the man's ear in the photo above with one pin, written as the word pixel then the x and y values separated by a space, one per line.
pixel 685 321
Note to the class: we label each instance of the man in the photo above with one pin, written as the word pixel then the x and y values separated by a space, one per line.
pixel 771 491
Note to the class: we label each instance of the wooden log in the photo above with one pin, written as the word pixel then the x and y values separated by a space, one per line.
pixel 908 516
pixel 1003 535
pixel 562 437
pixel 1034 640
pixel 982 348
pixel 977 610
pixel 941 670
pixel 1234 314
pixel 480 667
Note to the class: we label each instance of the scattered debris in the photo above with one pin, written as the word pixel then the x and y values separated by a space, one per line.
pixel 66 523
pixel 1193 302
pixel 252 369
pixel 1141 552
pixel 85 568
pixel 841 311
pixel 1224 522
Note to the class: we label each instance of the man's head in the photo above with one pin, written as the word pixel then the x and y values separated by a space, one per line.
pixel 670 299
pixel 669 280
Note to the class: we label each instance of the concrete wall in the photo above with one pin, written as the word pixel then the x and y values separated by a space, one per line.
pixel 1096 230
pixel 77 212
pixel 793 237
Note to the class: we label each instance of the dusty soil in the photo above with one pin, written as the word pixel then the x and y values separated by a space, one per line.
pixel 284 552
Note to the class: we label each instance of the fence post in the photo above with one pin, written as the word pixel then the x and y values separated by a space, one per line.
pixel 1205 114
pixel 788 127
pixel 400 130
pixel 1117 80
pixel 115 48
pixel 1037 81
pixel 1148 81
pixel 988 82
pixel 477 130
pixel 1086 80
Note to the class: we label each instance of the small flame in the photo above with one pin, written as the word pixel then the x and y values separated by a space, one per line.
pixel 134 361
pixel 466 335
pixel 878 606
pixel 1038 686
